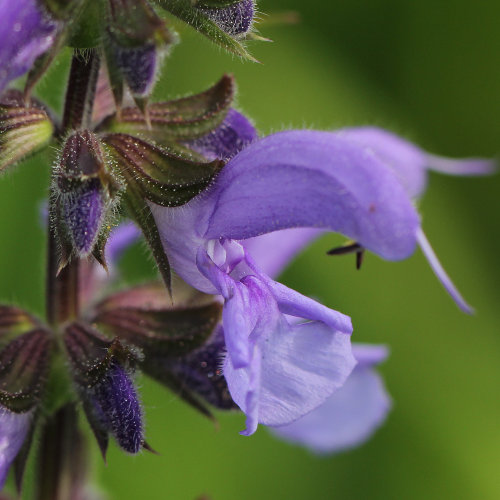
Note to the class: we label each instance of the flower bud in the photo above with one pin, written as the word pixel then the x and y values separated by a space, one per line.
pixel 24 128
pixel 103 374
pixel 83 194
pixel 236 19
pixel 183 346
pixel 136 42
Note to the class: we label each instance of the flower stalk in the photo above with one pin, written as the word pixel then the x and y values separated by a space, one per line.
pixel 62 458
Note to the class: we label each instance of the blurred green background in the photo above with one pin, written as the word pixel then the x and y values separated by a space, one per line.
pixel 431 71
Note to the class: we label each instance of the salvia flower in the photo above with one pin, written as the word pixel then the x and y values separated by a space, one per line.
pixel 355 411
pixel 319 180
pixel 26 31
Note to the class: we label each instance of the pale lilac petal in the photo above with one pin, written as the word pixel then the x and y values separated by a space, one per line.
pixel 300 367
pixel 369 354
pixel 273 251
pixel 312 179
pixel 464 166
pixel 350 416
pixel 14 428
pixel 295 304
pixel 406 160
pixel 409 162
pixel 25 33
pixel 441 274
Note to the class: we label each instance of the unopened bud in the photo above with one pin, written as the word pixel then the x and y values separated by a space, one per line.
pixel 137 40
pixel 103 374
pixel 236 19
pixel 83 193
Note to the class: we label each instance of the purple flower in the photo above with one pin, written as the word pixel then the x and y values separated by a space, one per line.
pixel 14 428
pixel 351 415
pixel 26 31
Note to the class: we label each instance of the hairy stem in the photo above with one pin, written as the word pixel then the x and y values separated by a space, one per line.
pixel 62 460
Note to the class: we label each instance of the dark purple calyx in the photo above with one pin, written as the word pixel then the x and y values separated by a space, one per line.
pixel 183 119
pixel 24 364
pixel 200 373
pixel 182 345
pixel 236 19
pixel 234 134
pixel 136 42
pixel 103 372
pixel 83 195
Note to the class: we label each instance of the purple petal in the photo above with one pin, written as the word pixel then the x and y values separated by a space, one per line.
pixel 25 33
pixel 83 211
pixel 313 179
pixel 116 405
pixel 14 428
pixel 273 251
pixel 441 274
pixel 234 134
pixel 290 180
pixel 409 162
pixel 294 370
pixel 350 416
pixel 235 20
pixel 122 237
pixel 464 166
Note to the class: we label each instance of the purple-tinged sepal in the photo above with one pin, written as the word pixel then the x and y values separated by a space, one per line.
pixel 183 119
pixel 199 17
pixel 137 40
pixel 233 135
pixel 351 415
pixel 24 363
pixel 26 31
pixel 84 193
pixel 103 373
pixel 160 175
pixel 235 18
pixel 182 344
pixel 25 128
